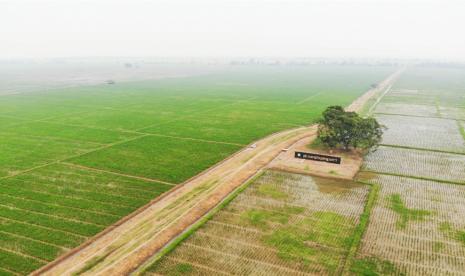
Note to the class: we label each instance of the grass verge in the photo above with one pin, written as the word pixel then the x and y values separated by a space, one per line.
pixel 193 228
pixel 361 227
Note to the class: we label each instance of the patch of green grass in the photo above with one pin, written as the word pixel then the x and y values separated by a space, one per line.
pixel 291 240
pixel 405 214
pixel 438 246
pixel 372 266
pixel 272 191
pixel 333 172
pixel 449 231
pixel 318 145
pixel 182 268
pixel 262 218
pixel 323 231
pixel 93 262
pixel 462 129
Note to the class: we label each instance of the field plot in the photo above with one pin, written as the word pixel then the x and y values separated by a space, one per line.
pixel 47 211
pixel 426 133
pixel 282 224
pixel 417 163
pixel 416 228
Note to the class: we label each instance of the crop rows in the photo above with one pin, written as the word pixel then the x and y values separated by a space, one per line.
pixel 406 109
pixel 281 224
pixel 453 113
pixel 426 133
pixel 422 237
pixel 23 152
pixel 417 163
pixel 48 211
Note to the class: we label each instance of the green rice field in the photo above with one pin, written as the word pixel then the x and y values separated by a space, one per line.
pixel 75 160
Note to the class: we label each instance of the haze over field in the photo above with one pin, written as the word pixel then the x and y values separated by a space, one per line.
pixel 232 137
pixel 315 28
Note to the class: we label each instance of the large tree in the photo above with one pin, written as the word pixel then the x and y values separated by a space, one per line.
pixel 347 130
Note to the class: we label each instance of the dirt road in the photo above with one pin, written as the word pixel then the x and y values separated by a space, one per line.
pixel 129 244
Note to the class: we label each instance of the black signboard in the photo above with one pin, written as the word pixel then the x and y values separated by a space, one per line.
pixel 318 157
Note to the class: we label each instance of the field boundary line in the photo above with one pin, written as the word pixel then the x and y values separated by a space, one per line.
pixel 121 188
pixel 74 189
pixel 194 139
pixel 189 231
pixel 278 212
pixel 361 228
pixel 117 173
pixel 414 177
pixel 59 205
pixel 248 259
pixel 50 215
pixel 421 149
pixel 378 100
pixel 410 249
pixel 71 197
pixel 414 116
pixel 54 139
pixel 461 128
pixel 309 98
pixel 27 121
pixel 9 271
pixel 24 255
pixel 329 248
pixel 45 227
pixel 72 157
pixel 278 203
pixel 34 240
pixel 416 264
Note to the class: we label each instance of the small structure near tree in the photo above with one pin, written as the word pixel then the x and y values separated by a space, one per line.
pixel 347 130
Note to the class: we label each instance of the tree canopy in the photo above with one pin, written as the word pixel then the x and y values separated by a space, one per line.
pixel 341 129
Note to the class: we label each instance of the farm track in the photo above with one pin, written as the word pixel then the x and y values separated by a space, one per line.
pixel 124 246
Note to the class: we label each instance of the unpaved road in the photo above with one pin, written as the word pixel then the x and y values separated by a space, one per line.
pixel 129 244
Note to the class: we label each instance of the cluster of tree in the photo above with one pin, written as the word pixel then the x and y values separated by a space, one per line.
pixel 346 130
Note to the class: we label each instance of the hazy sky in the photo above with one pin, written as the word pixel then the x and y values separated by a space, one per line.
pixel 214 28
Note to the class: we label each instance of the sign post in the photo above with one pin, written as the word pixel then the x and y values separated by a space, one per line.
pixel 317 157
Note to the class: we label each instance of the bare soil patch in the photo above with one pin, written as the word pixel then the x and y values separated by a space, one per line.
pixel 350 164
